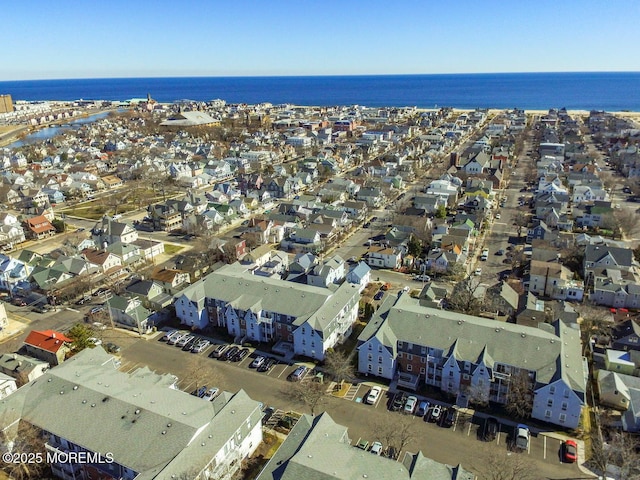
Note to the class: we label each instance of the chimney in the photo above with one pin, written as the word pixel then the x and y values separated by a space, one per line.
pixel 53 335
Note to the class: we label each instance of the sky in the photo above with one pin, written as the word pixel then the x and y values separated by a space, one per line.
pixel 162 38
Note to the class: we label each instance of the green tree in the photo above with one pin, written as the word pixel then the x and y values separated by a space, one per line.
pixel 414 246
pixel 80 335
pixel 441 212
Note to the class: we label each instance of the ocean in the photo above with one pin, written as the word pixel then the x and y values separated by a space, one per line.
pixel 612 91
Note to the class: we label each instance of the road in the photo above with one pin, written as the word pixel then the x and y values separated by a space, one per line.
pixel 458 444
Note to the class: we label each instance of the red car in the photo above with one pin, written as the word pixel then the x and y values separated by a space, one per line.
pixel 570 451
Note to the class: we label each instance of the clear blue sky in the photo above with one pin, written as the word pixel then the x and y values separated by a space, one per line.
pixel 129 38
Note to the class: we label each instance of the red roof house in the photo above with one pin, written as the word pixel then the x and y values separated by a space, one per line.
pixel 47 345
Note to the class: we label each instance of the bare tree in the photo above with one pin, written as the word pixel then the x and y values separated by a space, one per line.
pixel 339 366
pixel 594 322
pixel 499 464
pixel 520 220
pixel 396 432
pixel 627 222
pixel 619 450
pixel 520 394
pixel 310 393
pixel 199 370
pixel 466 297
pixel 24 439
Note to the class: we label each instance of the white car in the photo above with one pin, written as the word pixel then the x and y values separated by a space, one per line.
pixel 376 448
pixel 210 394
pixel 497 216
pixel 410 406
pixel 478 271
pixel 374 393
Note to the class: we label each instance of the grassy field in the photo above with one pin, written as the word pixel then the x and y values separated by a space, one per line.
pixel 172 248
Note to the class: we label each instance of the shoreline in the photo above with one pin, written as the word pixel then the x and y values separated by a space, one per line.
pixel 11 134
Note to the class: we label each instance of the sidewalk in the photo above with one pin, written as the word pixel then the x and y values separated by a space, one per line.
pixel 12 329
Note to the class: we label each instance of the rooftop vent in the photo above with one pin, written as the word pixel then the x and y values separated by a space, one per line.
pixel 93 405
pixel 137 411
pixel 164 432
pixel 75 387
pixel 84 401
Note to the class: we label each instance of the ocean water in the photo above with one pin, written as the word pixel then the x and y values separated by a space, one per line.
pixel 611 91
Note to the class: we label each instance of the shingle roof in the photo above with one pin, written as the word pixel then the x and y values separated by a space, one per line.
pixel 48 340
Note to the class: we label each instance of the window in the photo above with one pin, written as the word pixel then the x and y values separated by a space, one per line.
pixel 379 358
pixel 550 403
pixel 566 393
pixel 409 357
pixel 422 371
pixel 565 405
pixel 370 347
pixel 563 417
pixel 369 357
pixel 547 414
pixel 552 389
pixel 451 373
pixel 369 367
pixel 379 370
pixel 379 348
pixel 409 368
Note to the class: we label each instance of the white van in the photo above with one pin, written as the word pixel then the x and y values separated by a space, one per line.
pixel 485 255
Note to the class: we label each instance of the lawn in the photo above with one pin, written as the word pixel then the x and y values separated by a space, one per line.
pixel 171 248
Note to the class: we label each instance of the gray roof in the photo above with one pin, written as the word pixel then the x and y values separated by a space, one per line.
pixel 236 286
pixel 149 428
pixel 552 351
pixel 319 449
pixel 622 256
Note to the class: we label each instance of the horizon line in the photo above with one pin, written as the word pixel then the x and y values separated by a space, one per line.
pixel 324 75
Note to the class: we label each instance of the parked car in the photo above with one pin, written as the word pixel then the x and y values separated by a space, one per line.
pixel 101 291
pixel 485 255
pixel 398 401
pixel 378 295
pixel 39 309
pixel 297 374
pixel 391 453
pixel 422 278
pixel 570 451
pixel 376 448
pixel 478 271
pixel 99 326
pixel 240 355
pixel 448 418
pixel 218 351
pixel 200 392
pixel 19 302
pixel 362 444
pixel 374 393
pixel 176 338
pixel 229 353
pixel 167 336
pixel 111 347
pixel 96 342
pixel 189 344
pixel 497 216
pixel 210 394
pixel 95 310
pixel 436 413
pixel 500 252
pixel 522 436
pixel 411 404
pixel 82 301
pixel 200 346
pixel 257 362
pixel 491 427
pixel 267 365
pixel 423 408
pixel 184 340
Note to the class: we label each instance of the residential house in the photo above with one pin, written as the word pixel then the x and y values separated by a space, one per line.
pixel 108 231
pixel 21 367
pixel 360 275
pixel 626 336
pixel 555 281
pixel 130 313
pixel 47 345
pixel 331 270
pixel 150 294
pixel 171 280
pixel 310 319
pixel 503 299
pixel 8 385
pixel 108 262
pixel 38 227
pixel 165 217
pixel 120 413
pixel 384 257
pixel 475 359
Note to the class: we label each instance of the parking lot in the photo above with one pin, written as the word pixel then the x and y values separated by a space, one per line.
pixel 271 388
